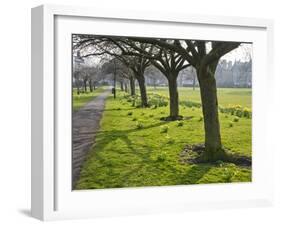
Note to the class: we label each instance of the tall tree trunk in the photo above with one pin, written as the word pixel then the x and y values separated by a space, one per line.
pixel 126 87
pixel 91 85
pixel 94 85
pixel 174 97
pixel 194 77
pixel 78 87
pixel 85 86
pixel 208 91
pixel 121 86
pixel 141 81
pixel 132 86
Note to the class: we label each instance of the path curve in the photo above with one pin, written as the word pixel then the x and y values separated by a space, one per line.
pixel 85 125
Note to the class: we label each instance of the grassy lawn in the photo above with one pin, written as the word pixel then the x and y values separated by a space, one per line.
pixel 83 98
pixel 226 96
pixel 134 148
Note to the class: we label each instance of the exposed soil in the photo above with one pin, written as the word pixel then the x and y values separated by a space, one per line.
pixel 192 153
pixel 180 117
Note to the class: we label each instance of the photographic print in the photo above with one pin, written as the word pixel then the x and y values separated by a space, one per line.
pixel 160 112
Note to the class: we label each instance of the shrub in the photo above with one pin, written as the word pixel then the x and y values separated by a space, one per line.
pixel 157 100
pixel 142 113
pixel 192 108
pixel 118 109
pixel 200 118
pixel 190 104
pixel 162 112
pixel 219 163
pixel 179 123
pixel 221 109
pixel 237 110
pixel 236 119
pixel 230 124
pixel 150 115
pixel 247 113
pixel 164 129
pixel 162 157
pixel 226 116
pixel 130 113
pixel 239 113
pixel 139 125
pixel 134 119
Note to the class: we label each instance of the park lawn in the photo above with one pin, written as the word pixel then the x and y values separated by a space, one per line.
pixel 132 150
pixel 83 98
pixel 226 96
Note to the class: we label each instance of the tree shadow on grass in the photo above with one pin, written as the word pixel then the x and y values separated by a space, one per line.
pixel 109 133
pixel 191 176
pixel 143 155
pixel 119 109
pixel 196 172
pixel 105 137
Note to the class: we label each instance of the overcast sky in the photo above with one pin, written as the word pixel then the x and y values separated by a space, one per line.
pixel 242 53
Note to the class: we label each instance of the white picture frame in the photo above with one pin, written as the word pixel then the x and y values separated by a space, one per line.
pixel 52 197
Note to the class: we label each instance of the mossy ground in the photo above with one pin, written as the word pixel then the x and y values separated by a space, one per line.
pixel 135 148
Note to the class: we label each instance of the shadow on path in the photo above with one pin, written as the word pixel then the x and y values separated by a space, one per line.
pixel 85 125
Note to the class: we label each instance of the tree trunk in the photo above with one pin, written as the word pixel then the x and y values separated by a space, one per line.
pixel 132 86
pixel 91 85
pixel 141 82
pixel 208 91
pixel 85 86
pixel 126 87
pixel 121 86
pixel 94 85
pixel 77 86
pixel 174 98
pixel 194 78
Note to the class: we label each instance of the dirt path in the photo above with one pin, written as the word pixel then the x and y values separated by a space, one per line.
pixel 85 125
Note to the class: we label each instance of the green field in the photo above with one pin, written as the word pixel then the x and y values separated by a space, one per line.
pixel 226 96
pixel 135 148
pixel 83 98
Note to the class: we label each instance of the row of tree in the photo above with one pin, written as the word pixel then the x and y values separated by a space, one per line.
pixel 85 76
pixel 134 55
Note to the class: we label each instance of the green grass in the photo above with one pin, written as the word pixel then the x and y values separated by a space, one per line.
pixel 133 149
pixel 226 96
pixel 83 98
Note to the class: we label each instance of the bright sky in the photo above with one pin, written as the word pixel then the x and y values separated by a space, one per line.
pixel 243 53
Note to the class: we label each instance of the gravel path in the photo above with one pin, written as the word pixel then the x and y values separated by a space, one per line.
pixel 85 125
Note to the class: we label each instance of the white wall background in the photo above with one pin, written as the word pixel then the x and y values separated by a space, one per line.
pixel 15 112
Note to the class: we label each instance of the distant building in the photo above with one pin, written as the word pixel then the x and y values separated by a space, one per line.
pixel 242 74
pixel 237 75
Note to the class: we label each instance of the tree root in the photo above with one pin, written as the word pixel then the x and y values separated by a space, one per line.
pixel 195 154
pixel 176 118
pixel 171 118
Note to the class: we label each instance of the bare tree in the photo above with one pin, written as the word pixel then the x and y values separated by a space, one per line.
pixel 169 62
pixel 98 46
pixel 204 57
